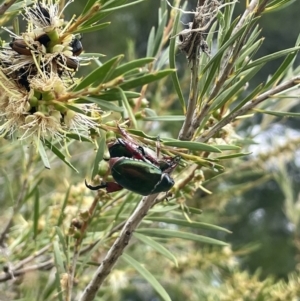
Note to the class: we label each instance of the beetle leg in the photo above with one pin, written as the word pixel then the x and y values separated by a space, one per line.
pixel 110 186
pixel 113 186
pixel 102 185
pixel 124 133
pixel 137 153
pixel 172 164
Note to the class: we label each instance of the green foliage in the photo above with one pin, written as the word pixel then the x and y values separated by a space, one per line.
pixel 60 241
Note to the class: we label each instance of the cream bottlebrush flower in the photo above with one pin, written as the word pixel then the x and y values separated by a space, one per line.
pixel 82 122
pixel 45 111
pixel 19 113
pixel 45 46
pixel 42 126
pixel 36 72
pixel 46 26
pixel 69 116
pixel 44 16
pixel 75 117
pixel 14 106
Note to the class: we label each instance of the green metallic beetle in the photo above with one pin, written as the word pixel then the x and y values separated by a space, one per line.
pixel 135 168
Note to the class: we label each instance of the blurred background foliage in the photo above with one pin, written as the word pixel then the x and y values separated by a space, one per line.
pixel 257 197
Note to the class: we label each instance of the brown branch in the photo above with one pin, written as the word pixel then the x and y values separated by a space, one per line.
pixel 190 44
pixel 31 257
pixel 227 64
pixel 117 248
pixel 6 5
pixel 41 266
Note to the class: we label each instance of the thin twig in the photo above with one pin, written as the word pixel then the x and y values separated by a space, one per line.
pixel 193 96
pixel 31 257
pixel 6 5
pixel 41 266
pixel 192 48
pixel 117 248
pixel 77 246
pixel 262 97
pixel 226 68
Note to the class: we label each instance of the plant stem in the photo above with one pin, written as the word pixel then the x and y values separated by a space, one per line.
pixel 117 248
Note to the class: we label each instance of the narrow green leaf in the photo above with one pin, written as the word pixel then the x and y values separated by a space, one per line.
pixel 114 94
pixel 107 8
pixel 248 52
pixel 92 28
pixel 62 240
pixel 193 210
pixel 191 145
pixel 185 223
pixel 122 6
pixel 131 65
pixel 62 209
pixel 149 112
pixel 59 262
pixel 226 29
pixel 79 137
pixel 148 276
pixel 142 134
pixel 164 209
pixel 111 3
pixel 159 33
pixel 105 105
pixel 163 59
pixel 278 5
pixel 17 7
pixel 278 114
pixel 283 68
pixel 36 213
pixel 74 108
pixel 156 246
pixel 150 43
pixel 130 200
pixel 228 13
pixel 214 63
pixel 128 108
pixel 211 75
pixel 254 35
pixel 59 289
pixel 88 6
pixel 224 147
pixel 252 95
pixel 92 55
pixel 32 191
pixel 99 156
pixel 172 52
pixel 60 155
pixel 145 79
pixel 182 235
pixel 43 153
pixel 233 156
pixel 230 93
pixel 99 75
pixel 272 56
pixel 166 118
